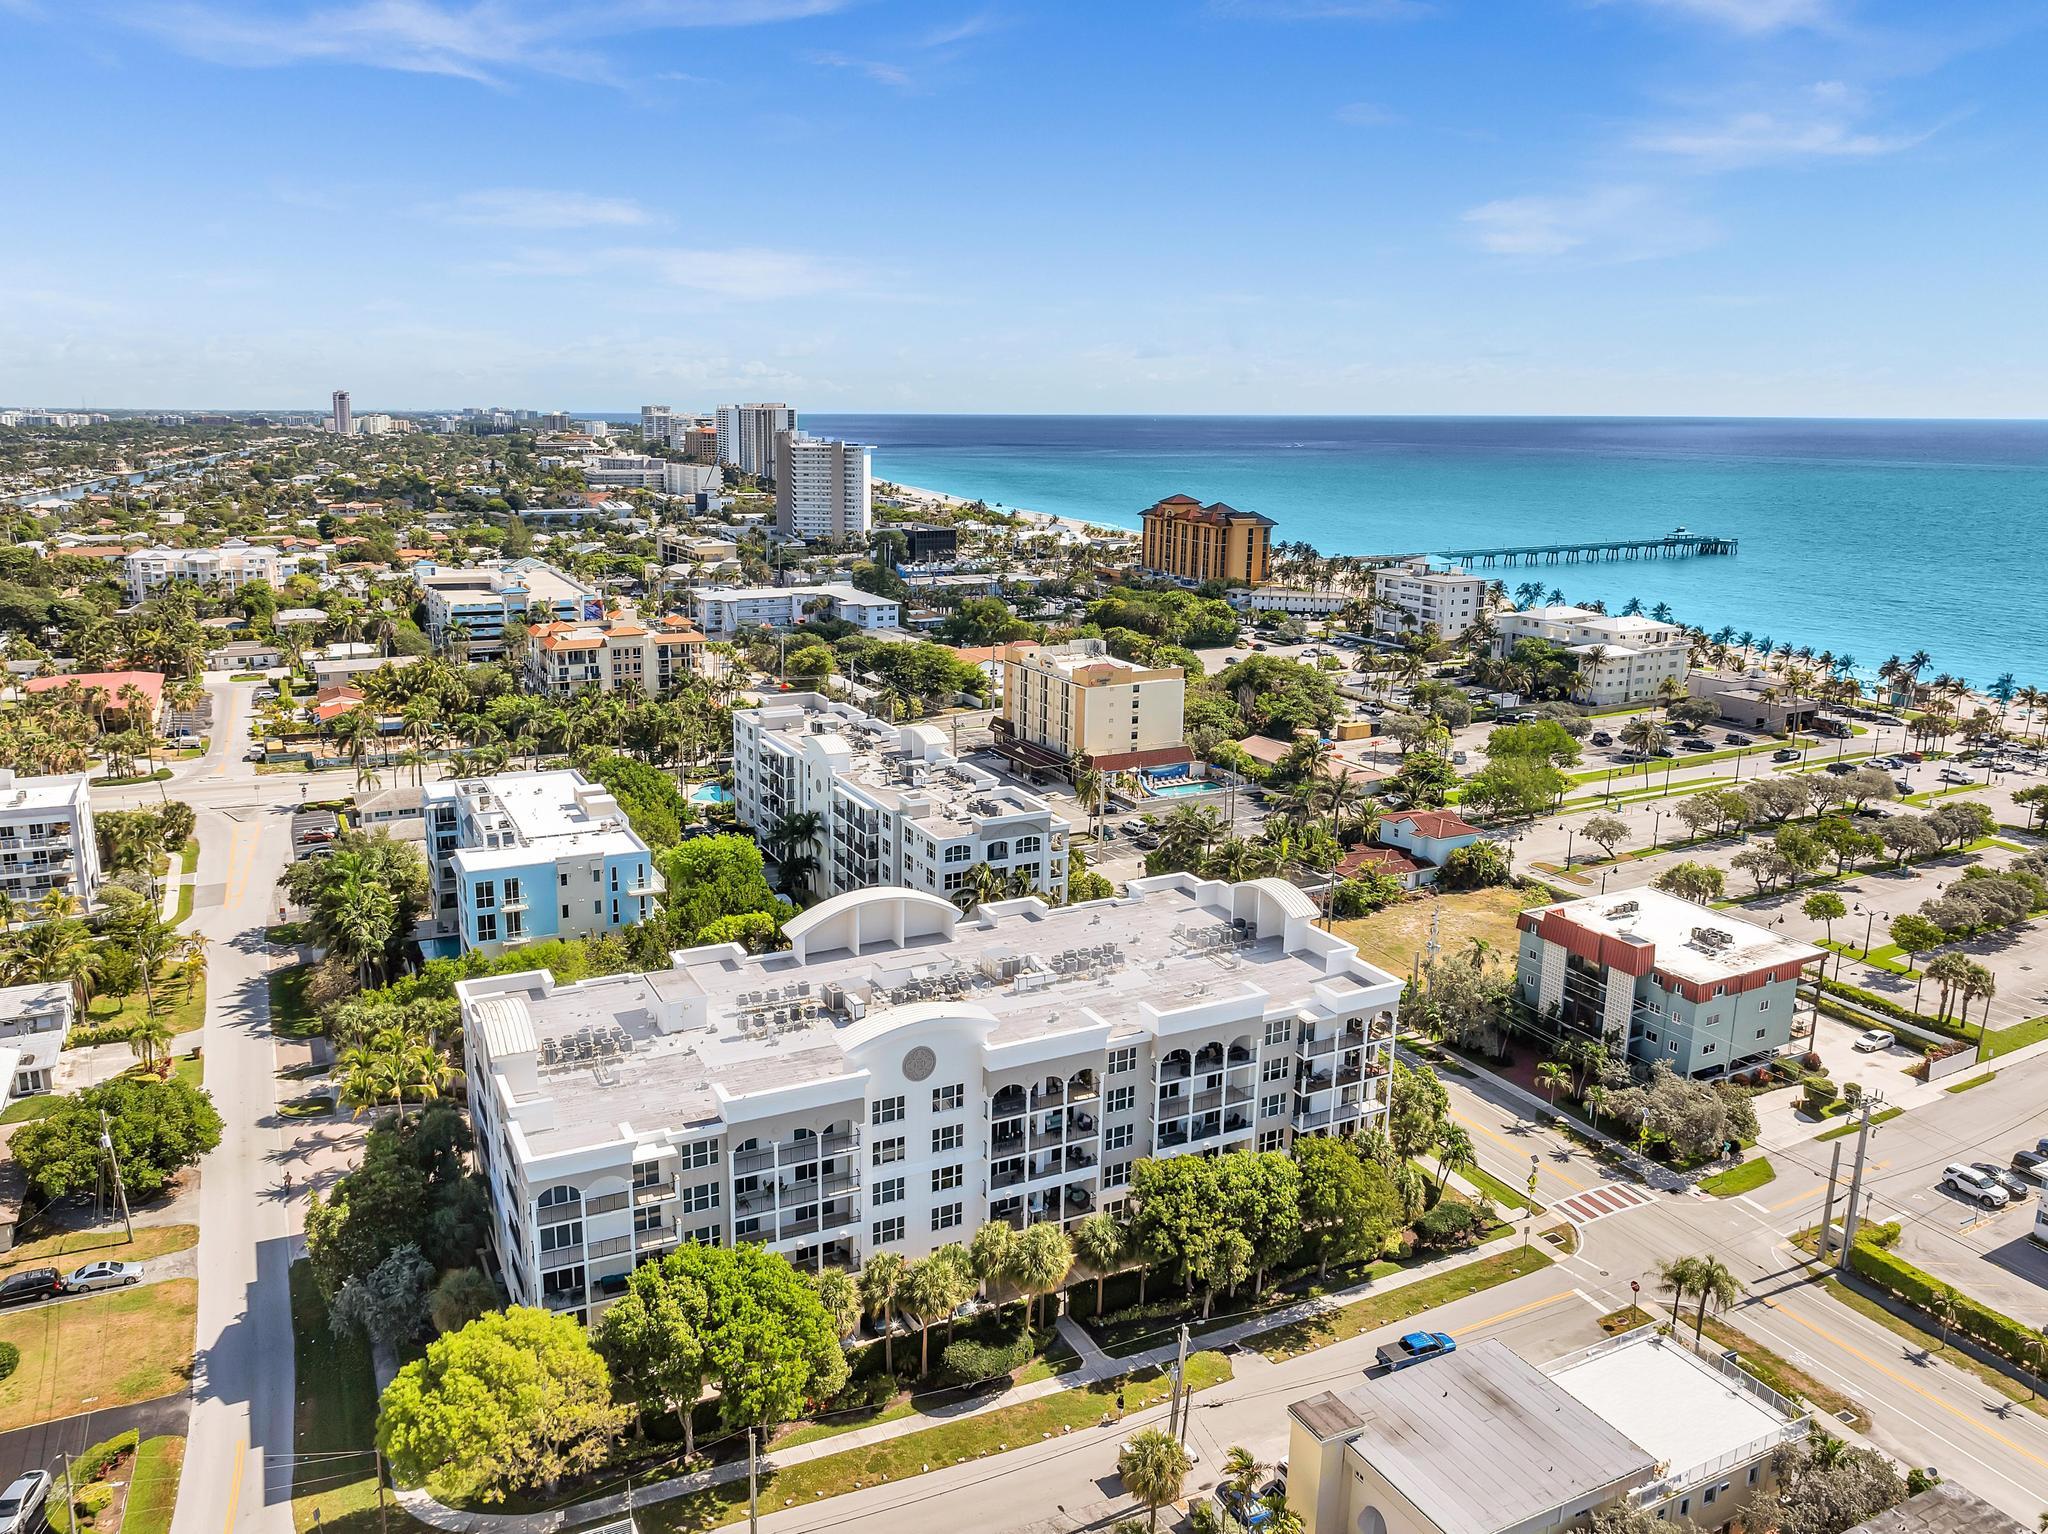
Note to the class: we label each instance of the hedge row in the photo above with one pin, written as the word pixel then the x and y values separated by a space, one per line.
pixel 970 1363
pixel 2000 1333
pixel 1890 1008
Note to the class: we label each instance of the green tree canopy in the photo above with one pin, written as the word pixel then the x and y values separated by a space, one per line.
pixel 158 1128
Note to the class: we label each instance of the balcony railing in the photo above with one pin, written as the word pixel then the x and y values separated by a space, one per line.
pixel 1317 1119
pixel 1177 1070
pixel 653 1194
pixel 604 1203
pixel 561 1257
pixel 1315 1048
pixel 564 1299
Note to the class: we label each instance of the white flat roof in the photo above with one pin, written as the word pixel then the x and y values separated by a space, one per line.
pixel 50 793
pixel 838 592
pixel 1671 1402
pixel 1668 924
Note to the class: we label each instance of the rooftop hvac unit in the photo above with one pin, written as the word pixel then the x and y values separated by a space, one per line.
pixel 1626 908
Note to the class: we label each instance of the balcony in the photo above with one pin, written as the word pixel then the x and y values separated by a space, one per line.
pixel 558 1213
pixel 564 1299
pixel 605 1203
pixel 1009 1178
pixel 1316 1048
pixel 1177 1070
pixel 1171 1135
pixel 611 1246
pixel 1318 1119
pixel 642 1197
pixel 1010 1144
pixel 560 1258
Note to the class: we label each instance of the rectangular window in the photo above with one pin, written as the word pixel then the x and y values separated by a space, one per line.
pixel 889 1150
pixel 486 927
pixel 1119 1099
pixel 1117 1136
pixel 889 1190
pixel 1271 1107
pixel 1280 1030
pixel 948 1099
pixel 486 895
pixel 554 1238
pixel 946 1178
pixel 698 1153
pixel 948 1137
pixel 889 1230
pixel 697 1199
pixel 647 1219
pixel 1272 1140
pixel 886 1111
pixel 1122 1060
pixel 1116 1174
pixel 946 1217
pixel 645 1174
pixel 1274 1069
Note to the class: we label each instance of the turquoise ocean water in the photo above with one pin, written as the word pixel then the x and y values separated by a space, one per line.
pixel 1862 537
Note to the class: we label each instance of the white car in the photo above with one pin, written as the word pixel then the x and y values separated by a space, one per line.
pixel 23 1497
pixel 1873 1040
pixel 1966 1180
pixel 104 1275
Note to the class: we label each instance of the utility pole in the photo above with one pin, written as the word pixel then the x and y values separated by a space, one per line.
pixel 1849 1215
pixel 1827 1210
pixel 1180 1366
pixel 753 1489
pixel 70 1515
pixel 107 1146
pixel 383 1516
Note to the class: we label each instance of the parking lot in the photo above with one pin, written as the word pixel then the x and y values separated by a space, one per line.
pixel 1988 1254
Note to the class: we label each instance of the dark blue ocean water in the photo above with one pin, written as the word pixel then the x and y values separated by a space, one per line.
pixel 1860 537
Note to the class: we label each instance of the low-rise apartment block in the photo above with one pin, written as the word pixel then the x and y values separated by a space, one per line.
pixel 1661 978
pixel 894 807
pixel 230 566
pixel 1411 597
pixel 613 655
pixel 33 1022
pixel 46 840
pixel 479 600
pixel 529 855
pixel 903 1073
pixel 1623 659
pixel 1076 705
pixel 634 471
pixel 725 610
pixel 1481 1441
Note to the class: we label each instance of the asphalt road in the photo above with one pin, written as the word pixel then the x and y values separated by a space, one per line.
pixel 38 1447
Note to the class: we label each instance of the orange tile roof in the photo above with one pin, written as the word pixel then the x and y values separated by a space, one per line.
pixel 108 682
pixel 1436 823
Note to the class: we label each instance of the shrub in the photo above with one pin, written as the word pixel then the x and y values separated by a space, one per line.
pixel 94 1462
pixel 1811 1060
pixel 1448 1226
pixel 865 1393
pixel 1819 1093
pixel 1880 1236
pixel 969 1363
pixel 1974 1319
pixel 10 1359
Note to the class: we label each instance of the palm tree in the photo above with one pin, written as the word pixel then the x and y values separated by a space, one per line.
pixel 1101 1245
pixel 881 1282
pixel 1241 1472
pixel 150 1042
pixel 1453 1153
pixel 1551 1075
pixel 1707 1278
pixel 1153 1468
pixel 1040 1260
pixel 1644 735
pixel 1947 1306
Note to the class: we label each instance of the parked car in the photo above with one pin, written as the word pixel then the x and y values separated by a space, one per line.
pixel 30 1284
pixel 1696 743
pixel 1731 738
pixel 255 754
pixel 187 743
pixel 1602 738
pixel 1416 1348
pixel 103 1275
pixel 1903 785
pixel 2016 1188
pixel 1913 756
pixel 22 1500
pixel 1253 1514
pixel 2031 1163
pixel 1973 1184
pixel 1194 1454
pixel 1874 1039
pixel 1839 768
pixel 1950 775
pixel 1785 754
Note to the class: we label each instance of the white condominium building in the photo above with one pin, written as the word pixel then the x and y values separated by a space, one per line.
pixel 902 1074
pixel 46 840
pixel 482 599
pixel 231 565
pixel 1412 597
pixel 634 471
pixel 656 422
pixel 613 656
pixel 33 1022
pixel 1621 659
pixel 747 433
pixel 723 610
pixel 340 421
pixel 822 489
pixel 893 805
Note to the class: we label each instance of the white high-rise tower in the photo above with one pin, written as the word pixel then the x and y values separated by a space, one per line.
pixel 341 422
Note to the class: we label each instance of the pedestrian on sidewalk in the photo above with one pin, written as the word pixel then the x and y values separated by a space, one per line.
pixel 1119 1403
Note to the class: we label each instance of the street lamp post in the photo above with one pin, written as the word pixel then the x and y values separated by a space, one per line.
pixel 1569 834
pixel 1656 817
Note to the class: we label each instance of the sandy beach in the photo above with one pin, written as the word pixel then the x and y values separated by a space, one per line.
pixel 917 498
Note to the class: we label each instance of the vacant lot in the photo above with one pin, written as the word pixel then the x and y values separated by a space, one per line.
pixel 1395 937
pixel 75 1247
pixel 104 1350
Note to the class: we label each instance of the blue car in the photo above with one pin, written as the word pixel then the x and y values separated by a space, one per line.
pixel 1416 1348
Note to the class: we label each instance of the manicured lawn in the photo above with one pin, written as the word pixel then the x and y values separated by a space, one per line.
pixel 1973 1081
pixel 1744 1177
pixel 24 1108
pixel 334 1422
pixel 1784 1376
pixel 916 1453
pixel 100 1351
pixel 306 1108
pixel 1284 1342
pixel 1394 937
pixel 153 1485
pixel 72 1247
pixel 1884 957
pixel 187 893
pixel 291 1015
pixel 2003 1041
pixel 1843 1131
pixel 181 1006
pixel 1497 1190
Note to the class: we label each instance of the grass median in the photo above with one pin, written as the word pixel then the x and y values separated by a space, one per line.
pixel 71 1247
pixel 1375 1311
pixel 1843 1131
pixel 1744 1177
pixel 153 1485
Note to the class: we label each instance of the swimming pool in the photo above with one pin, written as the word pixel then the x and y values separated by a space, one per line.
pixel 1183 787
pixel 710 793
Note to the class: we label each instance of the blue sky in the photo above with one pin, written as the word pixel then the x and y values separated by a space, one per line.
pixel 1383 206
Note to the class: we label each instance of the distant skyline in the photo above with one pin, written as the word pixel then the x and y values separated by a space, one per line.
pixel 1385 207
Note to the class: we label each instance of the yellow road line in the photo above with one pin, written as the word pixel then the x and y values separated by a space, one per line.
pixel 1890 1374
pixel 1564 1177
pixel 1523 1310
pixel 235 1485
pixel 1799 1198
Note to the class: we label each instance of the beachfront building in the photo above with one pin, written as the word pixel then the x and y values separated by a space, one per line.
pixel 1661 979
pixel 1756 702
pixel 34 1020
pixel 227 567
pixel 1640 1421
pixel 823 489
pixel 901 1074
pixel 530 855
pixel 479 600
pixel 1292 600
pixel 46 841
pixel 722 611
pixel 894 807
pixel 1187 541
pixel 1076 705
pixel 1410 597
pixel 635 471
pixel 746 436
pixel 1621 659
pixel 614 655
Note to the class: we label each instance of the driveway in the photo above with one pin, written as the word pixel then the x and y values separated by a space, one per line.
pixel 37 1447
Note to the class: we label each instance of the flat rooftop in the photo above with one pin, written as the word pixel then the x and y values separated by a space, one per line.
pixel 548 812
pixel 1672 1402
pixel 47 793
pixel 1675 928
pixel 837 591
pixel 542 581
pixel 663 1080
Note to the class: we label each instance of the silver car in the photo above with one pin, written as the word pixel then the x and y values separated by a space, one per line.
pixel 21 1501
pixel 103 1275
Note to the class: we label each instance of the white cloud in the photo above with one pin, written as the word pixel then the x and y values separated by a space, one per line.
pixel 1365 114
pixel 746 274
pixel 1822 122
pixel 878 70
pixel 536 208
pixel 1609 223
pixel 1753 16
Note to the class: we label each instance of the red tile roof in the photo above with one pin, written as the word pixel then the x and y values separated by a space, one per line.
pixel 1384 860
pixel 108 682
pixel 1436 823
